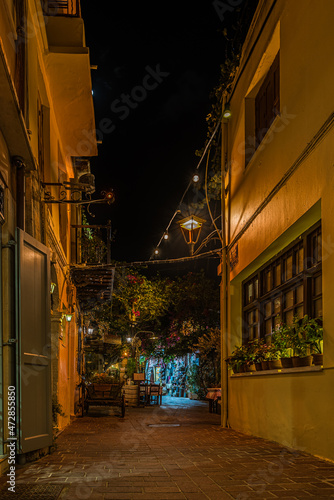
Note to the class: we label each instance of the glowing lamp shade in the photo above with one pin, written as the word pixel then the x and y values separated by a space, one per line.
pixel 227 111
pixel 68 317
pixel 191 228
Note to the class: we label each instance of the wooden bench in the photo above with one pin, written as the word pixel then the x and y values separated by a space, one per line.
pixel 104 395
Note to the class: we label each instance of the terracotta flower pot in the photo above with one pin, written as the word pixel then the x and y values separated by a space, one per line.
pixel 275 364
pixel 318 359
pixel 258 367
pixel 250 368
pixel 265 365
pixel 301 361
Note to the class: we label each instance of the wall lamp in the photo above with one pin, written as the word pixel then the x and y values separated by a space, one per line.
pixel 67 314
pixel 227 111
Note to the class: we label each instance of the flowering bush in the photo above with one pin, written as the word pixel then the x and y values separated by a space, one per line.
pixel 103 378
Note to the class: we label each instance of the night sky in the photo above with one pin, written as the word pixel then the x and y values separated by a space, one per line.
pixel 157 64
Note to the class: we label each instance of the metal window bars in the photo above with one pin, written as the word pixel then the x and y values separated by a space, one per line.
pixel 68 8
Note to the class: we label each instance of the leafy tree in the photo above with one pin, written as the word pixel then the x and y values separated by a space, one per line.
pixel 193 310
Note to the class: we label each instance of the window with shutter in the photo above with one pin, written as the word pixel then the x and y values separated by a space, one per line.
pixel 267 102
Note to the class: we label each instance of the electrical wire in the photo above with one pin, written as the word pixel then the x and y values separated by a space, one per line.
pixel 207 199
pixel 310 147
pixel 212 253
pixel 177 211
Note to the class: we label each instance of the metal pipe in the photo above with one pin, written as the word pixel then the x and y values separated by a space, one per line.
pixel 2 449
pixel 21 191
pixel 223 284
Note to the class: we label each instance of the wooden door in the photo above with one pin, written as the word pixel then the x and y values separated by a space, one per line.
pixel 33 359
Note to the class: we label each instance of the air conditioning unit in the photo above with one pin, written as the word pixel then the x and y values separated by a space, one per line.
pixel 81 165
pixel 88 181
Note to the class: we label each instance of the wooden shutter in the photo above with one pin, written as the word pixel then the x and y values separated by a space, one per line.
pixel 267 102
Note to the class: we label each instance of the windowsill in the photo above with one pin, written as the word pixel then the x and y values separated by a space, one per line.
pixel 280 371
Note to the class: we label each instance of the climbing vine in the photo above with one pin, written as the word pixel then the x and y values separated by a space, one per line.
pixel 234 36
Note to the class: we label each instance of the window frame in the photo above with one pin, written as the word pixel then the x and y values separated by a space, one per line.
pixel 312 269
pixel 269 93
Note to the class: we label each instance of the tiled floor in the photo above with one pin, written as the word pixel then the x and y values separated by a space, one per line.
pixel 176 451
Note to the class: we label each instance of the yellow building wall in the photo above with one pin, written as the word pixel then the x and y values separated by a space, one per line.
pixel 293 409
pixel 65 94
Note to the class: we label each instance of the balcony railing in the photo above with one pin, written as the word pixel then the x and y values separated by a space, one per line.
pixel 68 8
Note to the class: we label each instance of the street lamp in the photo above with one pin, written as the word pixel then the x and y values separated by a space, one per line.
pixel 191 228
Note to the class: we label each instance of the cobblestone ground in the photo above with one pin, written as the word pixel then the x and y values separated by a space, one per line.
pixel 175 451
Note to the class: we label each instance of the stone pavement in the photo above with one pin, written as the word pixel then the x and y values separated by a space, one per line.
pixel 176 451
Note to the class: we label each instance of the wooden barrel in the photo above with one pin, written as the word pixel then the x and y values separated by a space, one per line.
pixel 131 395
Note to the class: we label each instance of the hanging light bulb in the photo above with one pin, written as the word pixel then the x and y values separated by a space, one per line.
pixel 166 236
pixel 195 177
pixel 156 251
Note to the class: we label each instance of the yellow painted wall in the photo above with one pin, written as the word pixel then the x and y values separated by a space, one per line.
pixel 291 409
pixel 66 96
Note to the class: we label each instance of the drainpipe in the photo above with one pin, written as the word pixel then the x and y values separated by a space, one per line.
pixel 224 279
pixel 2 401
pixel 21 191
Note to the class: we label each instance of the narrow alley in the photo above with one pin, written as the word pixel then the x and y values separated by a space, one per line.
pixel 174 451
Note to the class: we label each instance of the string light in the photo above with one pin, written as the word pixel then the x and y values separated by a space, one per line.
pixel 195 178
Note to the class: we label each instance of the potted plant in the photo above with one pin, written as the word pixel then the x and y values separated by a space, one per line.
pixel 312 332
pixel 237 360
pixel 260 354
pixel 300 345
pixel 274 357
pixel 250 356
pixel 282 339
pixel 254 354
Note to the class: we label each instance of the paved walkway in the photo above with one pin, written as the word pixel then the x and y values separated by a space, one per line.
pixel 176 451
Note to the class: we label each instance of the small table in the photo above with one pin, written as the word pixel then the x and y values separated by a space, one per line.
pixel 213 395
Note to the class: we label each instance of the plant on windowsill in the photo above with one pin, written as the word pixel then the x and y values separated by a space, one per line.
pixel 282 339
pixel 274 357
pixel 250 354
pixel 237 360
pixel 262 356
pixel 301 348
pixel 309 332
pixel 258 351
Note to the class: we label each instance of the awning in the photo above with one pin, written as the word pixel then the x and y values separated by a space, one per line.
pixel 93 283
